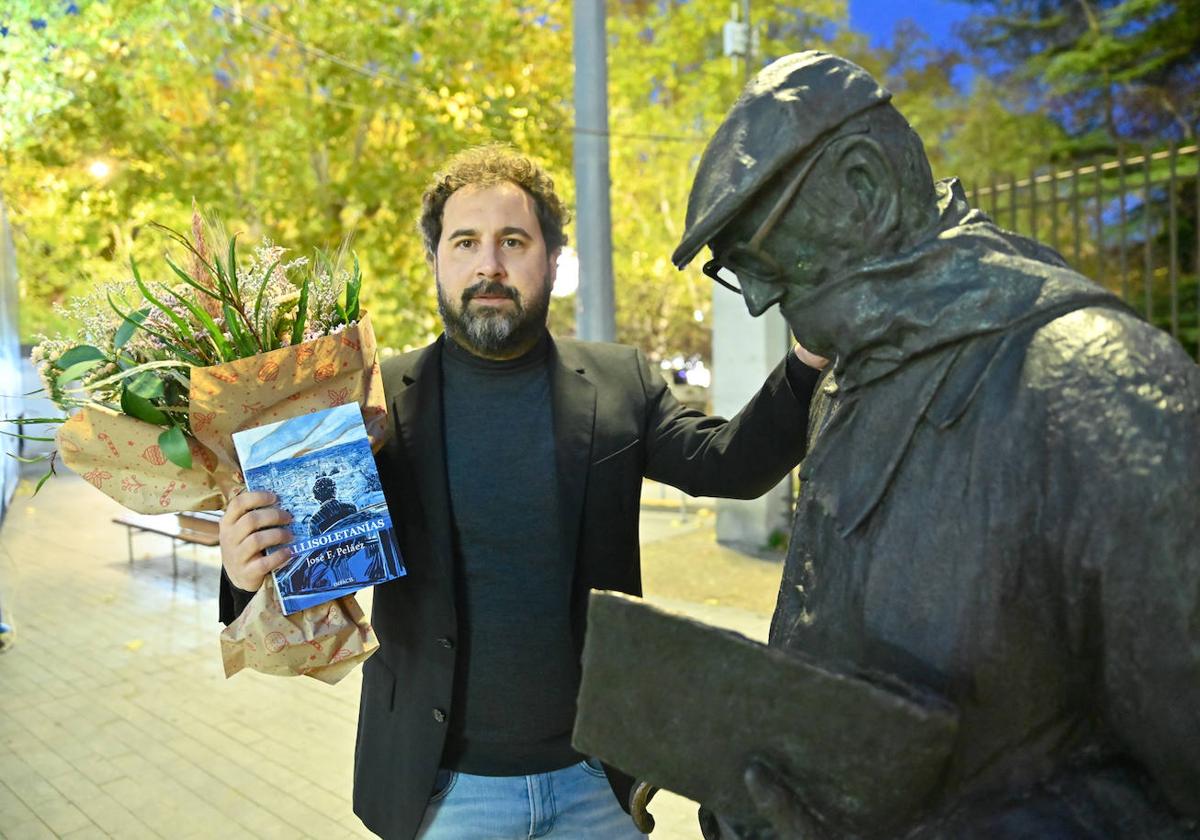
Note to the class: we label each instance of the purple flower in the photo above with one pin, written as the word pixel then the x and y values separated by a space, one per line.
pixel 38 23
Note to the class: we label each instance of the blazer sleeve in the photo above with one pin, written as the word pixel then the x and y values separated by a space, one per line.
pixel 739 458
pixel 231 600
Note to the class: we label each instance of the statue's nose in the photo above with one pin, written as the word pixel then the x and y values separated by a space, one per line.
pixel 760 296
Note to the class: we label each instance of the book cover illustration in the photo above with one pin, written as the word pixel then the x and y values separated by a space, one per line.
pixel 321 468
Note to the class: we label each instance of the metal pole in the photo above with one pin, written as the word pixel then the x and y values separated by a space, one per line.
pixel 1147 238
pixel 1054 212
pixel 1099 217
pixel 749 62
pixel 1124 221
pixel 594 304
pixel 1173 238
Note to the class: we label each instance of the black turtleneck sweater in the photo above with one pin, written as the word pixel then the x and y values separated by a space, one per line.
pixel 517 672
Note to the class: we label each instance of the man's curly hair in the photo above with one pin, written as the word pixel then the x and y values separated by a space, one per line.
pixel 486 166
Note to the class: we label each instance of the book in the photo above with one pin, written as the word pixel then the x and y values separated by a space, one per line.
pixel 686 706
pixel 321 468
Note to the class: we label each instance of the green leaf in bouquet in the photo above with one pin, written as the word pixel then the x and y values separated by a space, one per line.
pixel 244 342
pixel 133 371
pixel 353 287
pixel 173 443
pixel 77 370
pixel 181 324
pixel 259 327
pixel 224 290
pixel 28 437
pixel 32 421
pixel 232 270
pixel 129 326
pixel 42 480
pixel 171 344
pixel 141 408
pixel 187 278
pixel 186 243
pixel 220 344
pixel 146 384
pixel 33 460
pixel 301 313
pixel 77 354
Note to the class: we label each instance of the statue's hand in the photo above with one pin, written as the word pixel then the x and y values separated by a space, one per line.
pixel 782 804
pixel 782 809
pixel 809 358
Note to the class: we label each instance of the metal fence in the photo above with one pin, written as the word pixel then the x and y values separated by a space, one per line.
pixel 1131 224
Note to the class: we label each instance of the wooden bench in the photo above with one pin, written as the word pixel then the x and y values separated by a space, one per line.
pixel 194 528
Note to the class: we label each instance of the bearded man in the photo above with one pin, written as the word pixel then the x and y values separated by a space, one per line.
pixel 514 477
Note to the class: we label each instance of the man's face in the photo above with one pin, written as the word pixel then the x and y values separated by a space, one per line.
pixel 493 272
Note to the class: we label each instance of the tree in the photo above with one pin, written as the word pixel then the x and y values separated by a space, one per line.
pixel 1108 70
pixel 670 85
pixel 301 121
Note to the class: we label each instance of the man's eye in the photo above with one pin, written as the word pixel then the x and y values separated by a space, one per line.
pixel 464 244
pixel 511 242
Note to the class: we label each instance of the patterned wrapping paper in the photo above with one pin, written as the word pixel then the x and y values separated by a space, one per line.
pixel 325 642
pixel 121 457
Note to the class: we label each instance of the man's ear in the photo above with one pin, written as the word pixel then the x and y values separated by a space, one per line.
pixel 552 267
pixel 866 174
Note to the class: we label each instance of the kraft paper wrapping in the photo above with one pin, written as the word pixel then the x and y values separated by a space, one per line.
pixel 288 382
pixel 325 642
pixel 121 457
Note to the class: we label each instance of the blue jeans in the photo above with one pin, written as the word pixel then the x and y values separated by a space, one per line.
pixel 574 802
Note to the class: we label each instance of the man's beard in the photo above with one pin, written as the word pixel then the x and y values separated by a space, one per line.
pixel 495 332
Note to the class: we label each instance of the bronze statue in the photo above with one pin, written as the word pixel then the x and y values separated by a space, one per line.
pixel 1001 500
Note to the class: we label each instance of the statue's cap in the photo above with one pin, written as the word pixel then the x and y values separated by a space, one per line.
pixel 786 108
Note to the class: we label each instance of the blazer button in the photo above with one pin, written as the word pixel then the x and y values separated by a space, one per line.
pixel 446 642
pixel 439 715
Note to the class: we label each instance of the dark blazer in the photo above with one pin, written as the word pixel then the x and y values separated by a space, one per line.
pixel 615 421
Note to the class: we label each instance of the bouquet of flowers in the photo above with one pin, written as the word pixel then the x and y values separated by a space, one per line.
pixel 162 374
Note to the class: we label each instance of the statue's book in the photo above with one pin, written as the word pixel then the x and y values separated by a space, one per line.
pixel 686 706
pixel 321 468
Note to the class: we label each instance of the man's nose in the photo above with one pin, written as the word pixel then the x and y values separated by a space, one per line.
pixel 491 261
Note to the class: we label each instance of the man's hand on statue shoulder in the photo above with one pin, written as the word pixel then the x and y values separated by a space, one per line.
pixel 251 534
pixel 811 359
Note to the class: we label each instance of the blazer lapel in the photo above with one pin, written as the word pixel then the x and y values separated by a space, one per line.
pixel 418 406
pixel 574 413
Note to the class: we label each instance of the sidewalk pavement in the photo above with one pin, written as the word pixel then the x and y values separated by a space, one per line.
pixel 116 719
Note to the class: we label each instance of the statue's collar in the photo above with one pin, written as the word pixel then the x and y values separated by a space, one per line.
pixel 968 278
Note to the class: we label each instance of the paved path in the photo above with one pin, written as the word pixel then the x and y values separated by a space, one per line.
pixel 116 719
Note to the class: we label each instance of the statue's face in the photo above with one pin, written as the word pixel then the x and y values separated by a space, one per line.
pixel 786 240
pixel 783 266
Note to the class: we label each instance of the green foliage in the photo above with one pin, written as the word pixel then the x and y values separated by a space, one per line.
pixel 669 87
pixel 1105 69
pixel 307 122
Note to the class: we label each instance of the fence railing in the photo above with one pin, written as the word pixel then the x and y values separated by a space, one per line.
pixel 1131 224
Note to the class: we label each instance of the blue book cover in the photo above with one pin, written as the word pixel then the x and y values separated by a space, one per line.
pixel 321 467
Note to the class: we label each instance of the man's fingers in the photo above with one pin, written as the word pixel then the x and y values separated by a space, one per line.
pixel 269 561
pixel 248 500
pixel 261 541
pixel 255 520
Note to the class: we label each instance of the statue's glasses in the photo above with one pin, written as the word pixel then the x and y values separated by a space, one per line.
pixel 748 259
